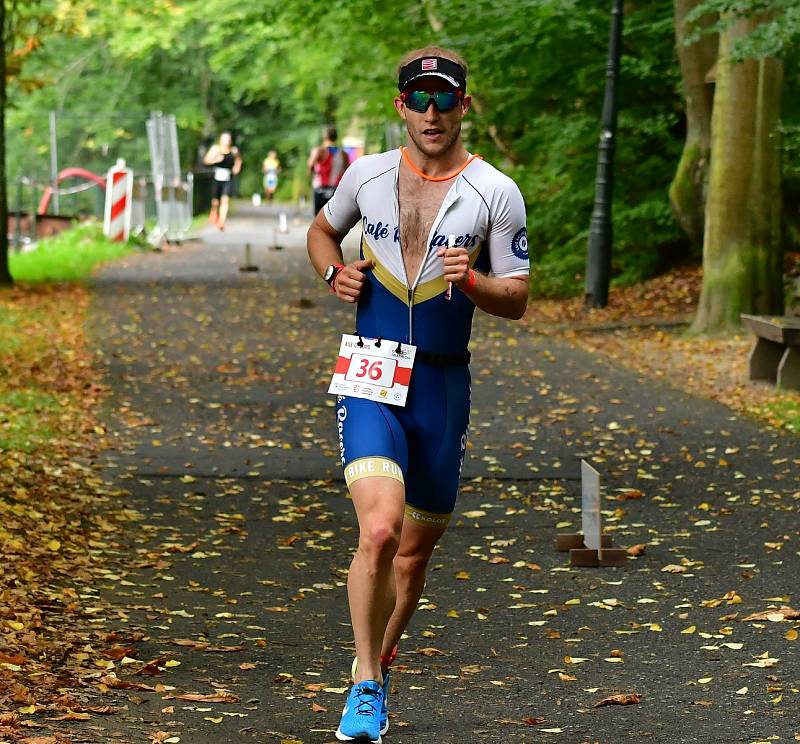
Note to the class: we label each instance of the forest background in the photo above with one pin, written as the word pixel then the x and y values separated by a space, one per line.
pixel 275 71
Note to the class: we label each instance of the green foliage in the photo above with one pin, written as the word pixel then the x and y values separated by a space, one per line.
pixel 69 256
pixel 275 71
pixel 778 32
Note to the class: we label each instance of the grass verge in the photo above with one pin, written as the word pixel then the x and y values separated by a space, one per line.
pixel 69 256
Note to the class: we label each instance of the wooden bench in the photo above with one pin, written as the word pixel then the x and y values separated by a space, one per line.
pixel 775 355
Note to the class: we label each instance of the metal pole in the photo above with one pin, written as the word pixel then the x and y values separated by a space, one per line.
pixel 54 162
pixel 18 219
pixel 598 262
pixel 34 210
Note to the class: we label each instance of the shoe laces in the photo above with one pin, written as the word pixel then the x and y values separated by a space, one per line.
pixel 367 701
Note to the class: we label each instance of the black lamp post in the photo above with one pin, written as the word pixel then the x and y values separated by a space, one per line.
pixel 598 262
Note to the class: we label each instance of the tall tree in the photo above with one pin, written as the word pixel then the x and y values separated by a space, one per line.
pixel 687 192
pixel 5 271
pixel 742 253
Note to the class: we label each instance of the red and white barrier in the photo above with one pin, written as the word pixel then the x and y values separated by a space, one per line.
pixel 119 198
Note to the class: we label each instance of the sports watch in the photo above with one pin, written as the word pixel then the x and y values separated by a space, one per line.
pixel 330 273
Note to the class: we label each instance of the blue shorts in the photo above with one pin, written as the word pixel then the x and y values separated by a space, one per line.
pixel 422 445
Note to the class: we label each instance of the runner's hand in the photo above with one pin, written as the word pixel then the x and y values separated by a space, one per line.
pixel 350 280
pixel 456 264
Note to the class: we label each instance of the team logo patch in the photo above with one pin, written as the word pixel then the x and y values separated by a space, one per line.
pixel 519 245
pixel 428 64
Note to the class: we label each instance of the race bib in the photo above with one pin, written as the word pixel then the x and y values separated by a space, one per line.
pixel 373 369
pixel 222 174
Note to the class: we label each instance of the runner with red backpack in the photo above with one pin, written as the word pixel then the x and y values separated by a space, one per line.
pixel 327 164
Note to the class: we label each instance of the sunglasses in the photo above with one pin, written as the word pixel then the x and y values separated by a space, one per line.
pixel 419 100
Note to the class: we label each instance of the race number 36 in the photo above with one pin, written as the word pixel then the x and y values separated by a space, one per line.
pixel 375 370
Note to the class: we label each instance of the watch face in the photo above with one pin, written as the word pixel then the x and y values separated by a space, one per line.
pixel 329 272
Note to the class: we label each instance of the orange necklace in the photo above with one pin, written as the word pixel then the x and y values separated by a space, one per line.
pixel 410 164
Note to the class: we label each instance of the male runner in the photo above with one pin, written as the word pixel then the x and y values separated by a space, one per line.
pixel 327 164
pixel 402 465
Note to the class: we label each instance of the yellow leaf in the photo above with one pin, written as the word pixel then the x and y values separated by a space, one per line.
pixel 742 691
pixel 462 575
pixel 614 660
pixel 53 545
pixel 561 526
pixel 790 635
pixel 172 663
pixel 574 660
pixel 27 709
pixel 14 625
pixel 705 680
pixel 688 631
pixel 575 601
pixel 212 719
pixel 474 514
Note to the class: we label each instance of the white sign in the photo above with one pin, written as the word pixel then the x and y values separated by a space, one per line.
pixel 590 506
pixel 373 369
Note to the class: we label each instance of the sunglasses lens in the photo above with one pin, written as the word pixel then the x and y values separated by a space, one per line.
pixel 419 100
pixel 446 100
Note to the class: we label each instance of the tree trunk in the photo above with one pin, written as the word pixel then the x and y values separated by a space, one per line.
pixel 687 193
pixel 5 272
pixel 742 251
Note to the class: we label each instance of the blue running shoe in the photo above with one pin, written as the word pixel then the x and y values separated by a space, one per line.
pixel 385 704
pixel 361 717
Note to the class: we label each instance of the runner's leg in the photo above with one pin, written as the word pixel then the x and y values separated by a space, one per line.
pixel 417 542
pixel 224 203
pixel 370 584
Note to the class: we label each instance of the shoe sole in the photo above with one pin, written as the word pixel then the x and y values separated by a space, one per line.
pixel 358 739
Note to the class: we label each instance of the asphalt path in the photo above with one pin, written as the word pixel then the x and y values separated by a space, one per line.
pixel 241 532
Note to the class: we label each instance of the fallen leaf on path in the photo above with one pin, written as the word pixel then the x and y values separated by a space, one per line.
pixel 783 613
pixel 630 698
pixel 220 697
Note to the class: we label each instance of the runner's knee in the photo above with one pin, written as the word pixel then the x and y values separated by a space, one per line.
pixel 379 540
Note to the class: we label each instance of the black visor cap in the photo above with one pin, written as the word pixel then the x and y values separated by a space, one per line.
pixel 439 67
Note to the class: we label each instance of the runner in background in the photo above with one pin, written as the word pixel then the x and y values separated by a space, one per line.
pixel 227 162
pixel 271 167
pixel 327 164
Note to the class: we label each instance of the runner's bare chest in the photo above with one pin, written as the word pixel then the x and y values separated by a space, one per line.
pixel 420 201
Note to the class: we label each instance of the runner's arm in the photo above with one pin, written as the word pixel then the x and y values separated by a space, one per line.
pixel 327 231
pixel 212 156
pixel 237 163
pixel 505 291
pixel 325 248
pixel 506 297
pixel 313 158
